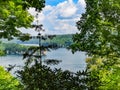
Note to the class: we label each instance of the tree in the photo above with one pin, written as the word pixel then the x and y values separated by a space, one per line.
pixel 99 36
pixel 2 48
pixel 7 82
pixel 99 28
pixel 14 15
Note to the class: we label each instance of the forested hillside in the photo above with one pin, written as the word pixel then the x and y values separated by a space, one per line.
pixel 65 40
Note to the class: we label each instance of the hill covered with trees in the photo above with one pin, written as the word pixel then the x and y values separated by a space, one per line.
pixel 61 40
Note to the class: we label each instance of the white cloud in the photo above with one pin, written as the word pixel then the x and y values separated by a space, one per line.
pixel 32 11
pixel 66 28
pixel 66 9
pixel 41 16
pixel 48 8
pixel 82 3
pixel 62 18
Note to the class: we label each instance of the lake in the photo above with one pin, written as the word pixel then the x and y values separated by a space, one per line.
pixel 72 62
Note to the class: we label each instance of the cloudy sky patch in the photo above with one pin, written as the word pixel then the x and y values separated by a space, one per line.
pixel 60 16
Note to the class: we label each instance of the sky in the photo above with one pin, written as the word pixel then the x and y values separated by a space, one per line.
pixel 59 16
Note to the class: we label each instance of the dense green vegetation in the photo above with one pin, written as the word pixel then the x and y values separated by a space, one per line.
pixel 12 48
pixel 62 39
pixel 8 82
pixel 14 15
pixel 99 34
pixel 58 39
pixel 2 49
pixel 41 77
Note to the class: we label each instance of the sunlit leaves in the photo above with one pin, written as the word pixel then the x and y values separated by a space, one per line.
pixel 98 24
pixel 14 15
pixel 2 48
pixel 2 53
pixel 99 37
pixel 7 82
pixel 43 78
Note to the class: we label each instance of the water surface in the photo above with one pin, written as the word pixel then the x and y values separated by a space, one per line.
pixel 72 62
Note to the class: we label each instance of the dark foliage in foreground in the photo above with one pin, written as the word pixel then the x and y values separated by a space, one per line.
pixel 41 77
pixel 37 76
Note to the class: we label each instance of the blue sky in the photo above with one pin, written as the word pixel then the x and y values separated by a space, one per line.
pixel 55 2
pixel 60 16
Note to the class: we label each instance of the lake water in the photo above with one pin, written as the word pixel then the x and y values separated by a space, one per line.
pixel 72 62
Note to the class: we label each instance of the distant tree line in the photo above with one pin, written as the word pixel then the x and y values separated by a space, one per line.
pixel 60 40
pixel 12 48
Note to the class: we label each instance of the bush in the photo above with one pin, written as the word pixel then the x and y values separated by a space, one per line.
pixel 7 82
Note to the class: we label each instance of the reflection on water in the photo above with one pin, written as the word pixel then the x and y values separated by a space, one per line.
pixel 72 62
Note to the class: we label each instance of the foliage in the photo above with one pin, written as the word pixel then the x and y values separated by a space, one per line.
pixel 60 40
pixel 7 82
pixel 2 49
pixel 12 48
pixel 99 36
pixel 99 28
pixel 103 73
pixel 37 4
pixel 14 15
pixel 41 77
pixel 2 53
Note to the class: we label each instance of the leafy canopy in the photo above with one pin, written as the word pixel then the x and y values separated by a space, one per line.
pixel 7 82
pixel 99 33
pixel 99 28
pixel 14 14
